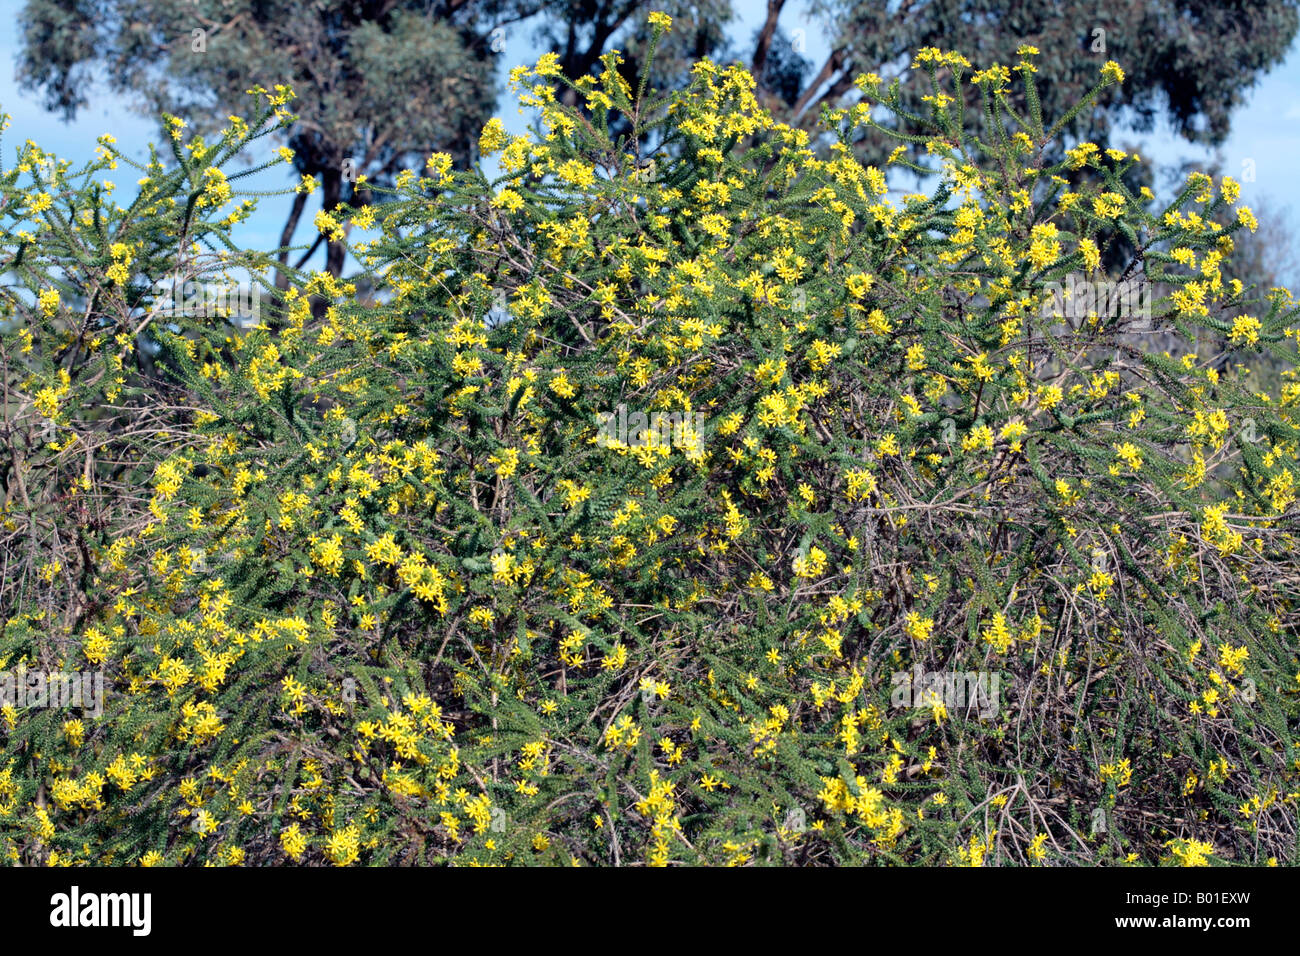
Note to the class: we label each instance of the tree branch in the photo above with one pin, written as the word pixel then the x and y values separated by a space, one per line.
pixel 832 64
pixel 765 39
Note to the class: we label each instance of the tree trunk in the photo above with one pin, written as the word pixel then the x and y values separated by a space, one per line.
pixel 335 252
pixel 286 236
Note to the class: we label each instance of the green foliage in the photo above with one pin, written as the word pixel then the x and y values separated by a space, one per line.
pixel 381 82
pixel 407 593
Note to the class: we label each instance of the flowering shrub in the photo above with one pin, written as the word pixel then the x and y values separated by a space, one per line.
pixel 376 582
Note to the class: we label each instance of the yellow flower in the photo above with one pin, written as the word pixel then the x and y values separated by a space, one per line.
pixel 561 385
pixel 917 627
pixel 1130 455
pixel 440 164
pixel 1190 852
pixel 979 438
pixel 48 299
pixel 293 841
pixel 859 284
pixel 811 566
pixel 344 846
pixel 1091 254
pixel 509 200
pixel 998 634
pixel 577 173
pixel 1245 328
pixel 507 462
pixel 1108 205
pixel 548 64
pixel 493 138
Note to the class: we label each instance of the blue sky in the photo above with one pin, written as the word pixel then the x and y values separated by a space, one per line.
pixel 1265 130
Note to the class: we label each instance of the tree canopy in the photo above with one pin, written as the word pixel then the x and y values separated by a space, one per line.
pixel 379 81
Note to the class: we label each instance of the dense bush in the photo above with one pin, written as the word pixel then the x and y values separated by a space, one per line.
pixel 382 580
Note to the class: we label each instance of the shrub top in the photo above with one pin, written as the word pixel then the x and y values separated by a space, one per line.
pixel 682 494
